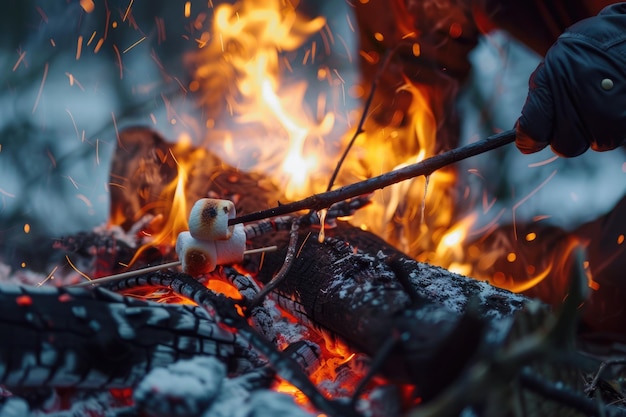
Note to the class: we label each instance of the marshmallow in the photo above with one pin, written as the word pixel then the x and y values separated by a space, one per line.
pixel 202 256
pixel 231 250
pixel 209 217
pixel 196 256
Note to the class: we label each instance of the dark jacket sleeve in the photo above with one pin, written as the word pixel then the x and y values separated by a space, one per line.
pixel 577 95
pixel 536 23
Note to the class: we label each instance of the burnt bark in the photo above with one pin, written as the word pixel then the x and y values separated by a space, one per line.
pixel 94 339
pixel 362 291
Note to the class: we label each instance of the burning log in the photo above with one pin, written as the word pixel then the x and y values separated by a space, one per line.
pixel 360 290
pixel 95 339
pixel 416 323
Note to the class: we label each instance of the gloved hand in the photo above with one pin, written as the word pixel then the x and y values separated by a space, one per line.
pixel 577 95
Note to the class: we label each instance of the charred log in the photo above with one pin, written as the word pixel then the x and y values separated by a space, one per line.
pixel 353 290
pixel 69 337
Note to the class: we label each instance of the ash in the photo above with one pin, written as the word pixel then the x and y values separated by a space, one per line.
pixel 200 387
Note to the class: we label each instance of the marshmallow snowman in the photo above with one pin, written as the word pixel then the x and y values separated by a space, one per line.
pixel 210 241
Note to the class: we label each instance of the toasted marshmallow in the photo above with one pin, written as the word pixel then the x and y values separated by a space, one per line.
pixel 209 217
pixel 231 250
pixel 196 256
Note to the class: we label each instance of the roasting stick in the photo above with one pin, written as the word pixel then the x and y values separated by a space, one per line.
pixel 426 167
pixel 147 270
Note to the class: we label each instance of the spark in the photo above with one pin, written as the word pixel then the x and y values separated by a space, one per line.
pixel 187 8
pixel 130 4
pixel 487 205
pixel 27 228
pixel 73 123
pixel 87 5
pixel 349 21
pixel 93 35
pixel 287 65
pixel 156 60
pixel 370 59
pixel 76 269
pixel 135 44
pixel 182 86
pixel 331 37
pixel 119 60
pixel 326 40
pixel 160 29
pixel 43 81
pixel 49 277
pixel 416 49
pixel 339 76
pixel 79 47
pixel 523 200
pixel 19 60
pixel 43 15
pixel 72 181
pixel 6 193
pixel 54 161
pixel 117 132
pixel 345 47
pixel 474 171
pixel 73 81
pixel 542 163
pixel 98 46
pixel 106 23
pixel 85 200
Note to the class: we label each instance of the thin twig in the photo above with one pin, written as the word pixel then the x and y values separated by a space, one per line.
pixel 149 269
pixel 596 379
pixel 425 167
pixel 568 397
pixel 366 107
pixel 284 269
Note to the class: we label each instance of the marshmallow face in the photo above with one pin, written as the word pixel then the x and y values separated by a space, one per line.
pixel 209 217
pixel 197 256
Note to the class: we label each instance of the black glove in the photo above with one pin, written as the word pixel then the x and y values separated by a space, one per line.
pixel 577 95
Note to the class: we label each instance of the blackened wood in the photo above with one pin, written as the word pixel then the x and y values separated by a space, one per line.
pixel 223 310
pixel 351 289
pixel 76 337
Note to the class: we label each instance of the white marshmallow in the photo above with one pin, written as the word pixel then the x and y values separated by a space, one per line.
pixel 231 250
pixel 197 256
pixel 209 217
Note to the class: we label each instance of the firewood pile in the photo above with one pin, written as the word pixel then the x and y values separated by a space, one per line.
pixel 345 323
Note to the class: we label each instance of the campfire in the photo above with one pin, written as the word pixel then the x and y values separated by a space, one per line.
pixel 301 250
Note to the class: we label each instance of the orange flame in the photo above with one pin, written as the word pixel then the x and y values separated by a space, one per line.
pixel 164 229
pixel 263 123
pixel 240 74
